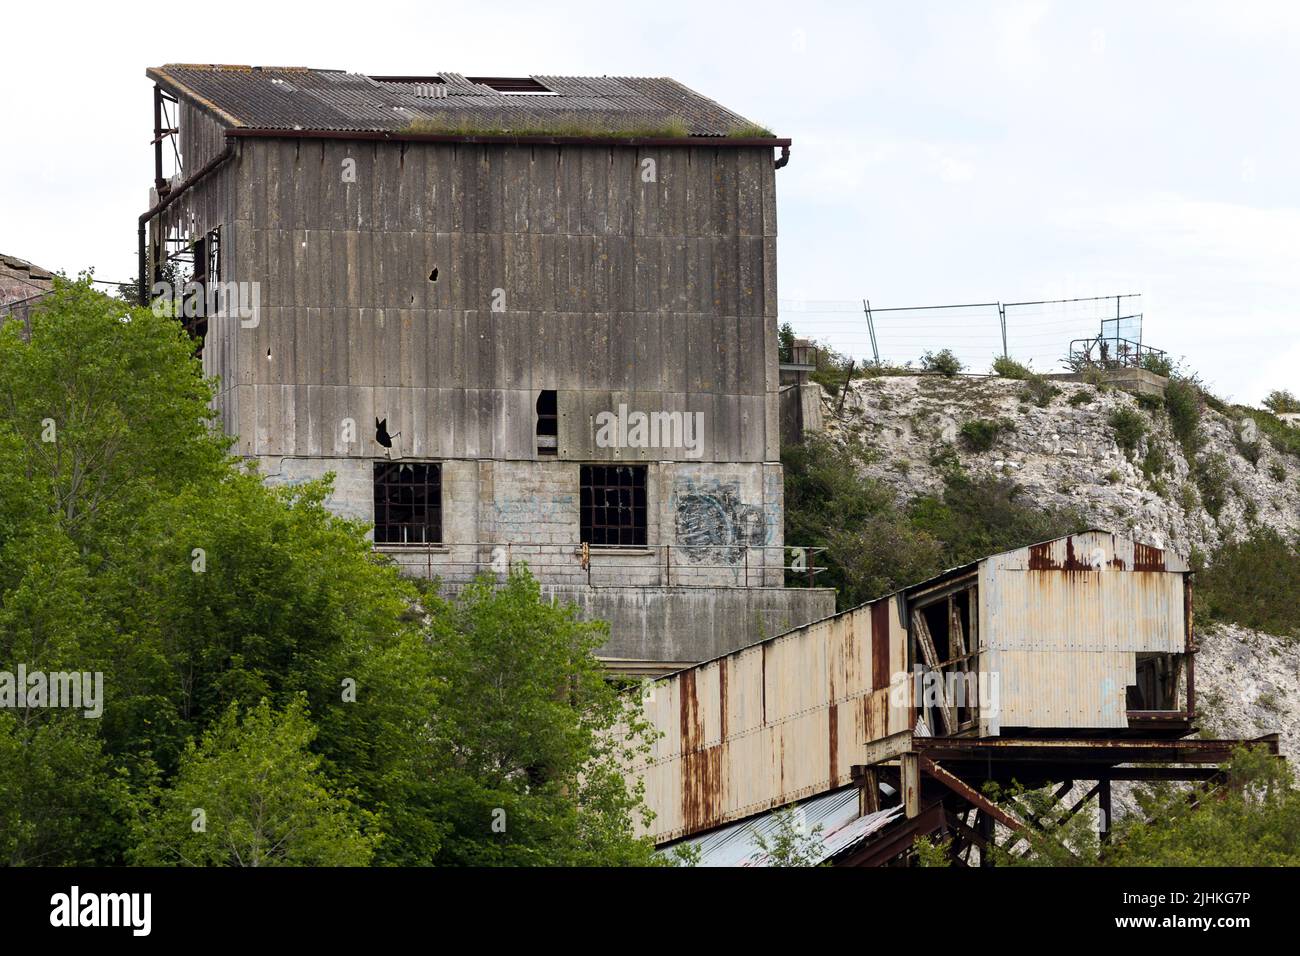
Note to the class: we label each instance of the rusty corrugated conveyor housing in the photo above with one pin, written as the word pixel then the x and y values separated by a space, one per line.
pixel 1066 660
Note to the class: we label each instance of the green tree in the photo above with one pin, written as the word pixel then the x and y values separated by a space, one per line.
pixel 61 801
pixel 251 793
pixel 1250 818
pixel 536 735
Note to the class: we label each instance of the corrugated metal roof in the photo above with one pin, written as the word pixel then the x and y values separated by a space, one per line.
pixel 836 813
pixel 296 98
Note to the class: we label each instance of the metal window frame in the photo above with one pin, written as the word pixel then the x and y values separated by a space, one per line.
pixel 387 479
pixel 623 522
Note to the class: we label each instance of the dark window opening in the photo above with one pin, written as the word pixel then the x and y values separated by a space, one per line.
pixel 408 503
pixel 1158 678
pixel 945 644
pixel 548 423
pixel 512 84
pixel 613 505
pixel 206 275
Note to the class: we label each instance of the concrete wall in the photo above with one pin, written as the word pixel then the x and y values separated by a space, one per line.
pixel 707 524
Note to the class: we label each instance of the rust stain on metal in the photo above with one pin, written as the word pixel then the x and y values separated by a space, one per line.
pixel 692 729
pixel 702 788
pixel 1147 558
pixel 833 733
pixel 1040 558
pixel 722 696
pixel 880 644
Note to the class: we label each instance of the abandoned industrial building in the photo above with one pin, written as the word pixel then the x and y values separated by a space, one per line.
pixel 1074 664
pixel 553 298
pixel 533 319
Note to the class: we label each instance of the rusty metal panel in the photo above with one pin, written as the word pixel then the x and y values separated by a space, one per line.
pixel 767 725
pixel 1064 688
pixel 1054 597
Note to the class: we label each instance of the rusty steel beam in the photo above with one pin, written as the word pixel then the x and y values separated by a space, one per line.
pixel 969 794
pixel 896 839
pixel 1104 750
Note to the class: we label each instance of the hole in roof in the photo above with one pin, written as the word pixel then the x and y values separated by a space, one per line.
pixel 433 276
pixel 513 85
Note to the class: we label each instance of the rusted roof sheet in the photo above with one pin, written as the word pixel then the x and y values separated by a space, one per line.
pixel 301 99
pixel 836 813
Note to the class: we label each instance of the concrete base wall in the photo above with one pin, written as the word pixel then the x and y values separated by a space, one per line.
pixel 709 580
pixel 801 411
pixel 679 625
pixel 1136 380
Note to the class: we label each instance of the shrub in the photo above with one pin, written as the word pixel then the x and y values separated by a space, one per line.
pixel 1130 428
pixel 1213 481
pixel 1285 438
pixel 1039 391
pixel 1081 398
pixel 1159 364
pixel 944 362
pixel 1249 450
pixel 1152 403
pixel 1253 582
pixel 978 517
pixel 1156 461
pixel 1279 401
pixel 1008 367
pixel 1277 473
pixel 980 434
pixel 1183 401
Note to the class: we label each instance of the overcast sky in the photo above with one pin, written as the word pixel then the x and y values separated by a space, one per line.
pixel 943 152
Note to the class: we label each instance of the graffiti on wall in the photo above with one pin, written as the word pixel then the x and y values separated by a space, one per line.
pixel 713 524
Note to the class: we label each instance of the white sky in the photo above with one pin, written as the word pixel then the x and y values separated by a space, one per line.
pixel 944 152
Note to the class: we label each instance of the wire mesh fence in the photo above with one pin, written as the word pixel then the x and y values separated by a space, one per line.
pixel 1039 333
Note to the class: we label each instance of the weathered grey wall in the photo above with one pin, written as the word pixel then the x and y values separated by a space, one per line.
pixel 716 524
pixel 558 268
pixel 611 290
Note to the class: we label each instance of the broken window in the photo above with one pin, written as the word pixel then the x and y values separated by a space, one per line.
pixel 408 503
pixel 945 647
pixel 1158 678
pixel 548 423
pixel 613 505
pixel 203 289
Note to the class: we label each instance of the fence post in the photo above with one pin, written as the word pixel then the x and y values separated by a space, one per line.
pixel 1002 318
pixel 871 328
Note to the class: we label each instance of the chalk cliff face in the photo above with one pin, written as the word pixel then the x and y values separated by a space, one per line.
pixel 1064 453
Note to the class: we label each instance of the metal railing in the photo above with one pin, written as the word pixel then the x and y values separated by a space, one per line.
pixel 661 565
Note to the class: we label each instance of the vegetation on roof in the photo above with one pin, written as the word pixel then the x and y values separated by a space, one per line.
pixel 573 124
pixel 566 124
pixel 750 131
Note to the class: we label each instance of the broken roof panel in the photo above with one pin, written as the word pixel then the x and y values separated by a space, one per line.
pixel 296 99
pixel 836 813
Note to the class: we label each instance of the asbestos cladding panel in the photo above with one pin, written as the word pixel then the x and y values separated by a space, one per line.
pixel 1090 550
pixel 768 724
pixel 1082 610
pixel 1075 689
